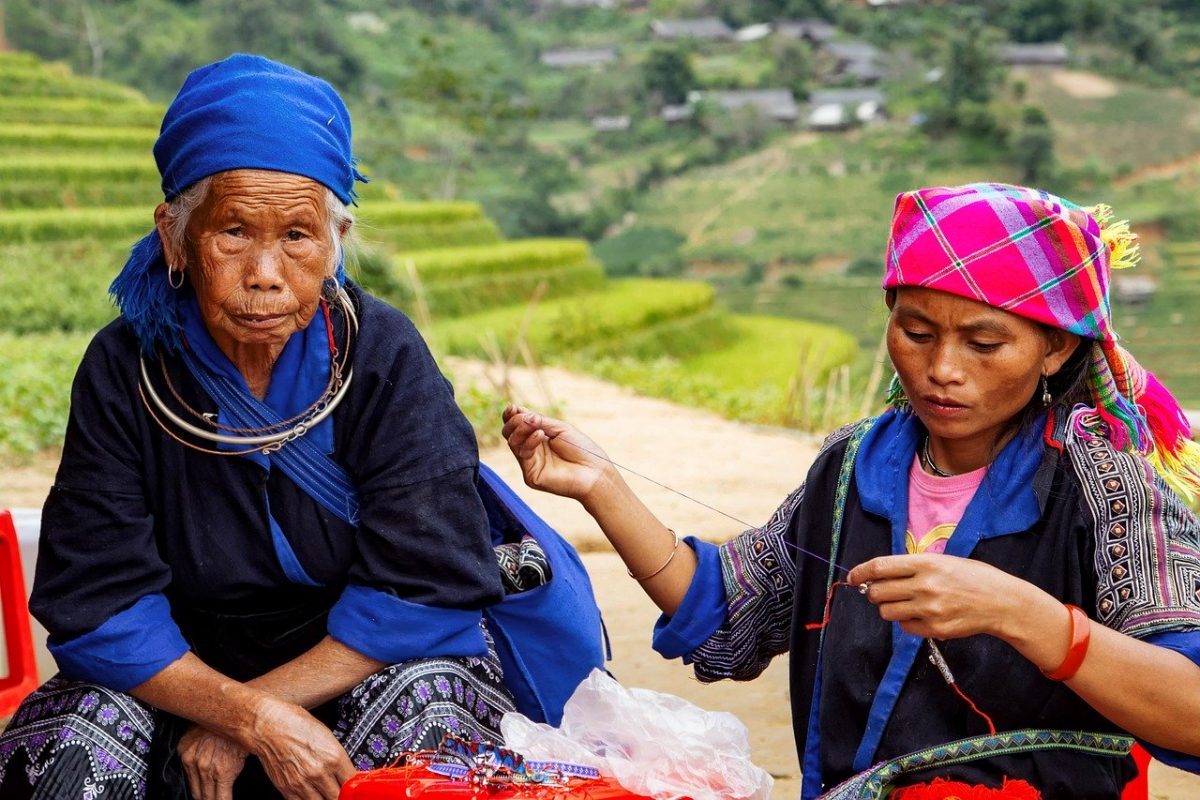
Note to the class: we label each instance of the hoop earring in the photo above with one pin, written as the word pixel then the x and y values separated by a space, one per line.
pixel 1047 398
pixel 171 273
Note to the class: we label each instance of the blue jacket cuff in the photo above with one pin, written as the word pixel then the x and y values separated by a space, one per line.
pixel 391 630
pixel 127 650
pixel 702 611
pixel 1188 644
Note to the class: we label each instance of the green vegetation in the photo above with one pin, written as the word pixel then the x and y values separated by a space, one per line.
pixel 451 103
pixel 774 372
pixel 74 198
pixel 35 392
pixel 57 224
pixel 560 326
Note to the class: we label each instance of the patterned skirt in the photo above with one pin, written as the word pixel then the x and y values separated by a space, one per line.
pixel 78 740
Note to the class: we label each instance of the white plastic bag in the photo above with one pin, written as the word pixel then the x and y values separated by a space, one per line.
pixel 654 744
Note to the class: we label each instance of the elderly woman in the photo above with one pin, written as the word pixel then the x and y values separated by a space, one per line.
pixel 267 559
pixel 1023 562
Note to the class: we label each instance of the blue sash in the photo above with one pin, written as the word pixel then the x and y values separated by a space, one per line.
pixel 548 638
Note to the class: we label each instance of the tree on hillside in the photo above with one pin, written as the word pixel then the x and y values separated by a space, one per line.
pixel 463 97
pixel 792 62
pixel 1033 147
pixel 667 75
pixel 308 34
pixel 81 31
pixel 971 74
pixel 749 12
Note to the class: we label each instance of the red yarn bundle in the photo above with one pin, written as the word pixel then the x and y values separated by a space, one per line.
pixel 942 789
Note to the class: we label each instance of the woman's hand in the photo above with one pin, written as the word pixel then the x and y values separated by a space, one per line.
pixel 554 456
pixel 299 754
pixel 945 597
pixel 211 763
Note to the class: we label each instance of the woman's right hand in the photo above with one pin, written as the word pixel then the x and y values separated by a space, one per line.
pixel 301 757
pixel 554 456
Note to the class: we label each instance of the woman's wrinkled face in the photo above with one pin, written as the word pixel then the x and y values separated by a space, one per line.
pixel 259 251
pixel 967 367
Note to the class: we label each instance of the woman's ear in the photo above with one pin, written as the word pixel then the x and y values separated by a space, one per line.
pixel 889 297
pixel 174 260
pixel 1060 345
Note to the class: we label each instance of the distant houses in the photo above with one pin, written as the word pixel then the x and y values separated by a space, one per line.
pixel 576 4
pixel 571 59
pixel 847 62
pixel 774 104
pixel 857 60
pixel 710 29
pixel 836 109
pixel 1048 54
pixel 815 31
pixel 611 124
pixel 778 105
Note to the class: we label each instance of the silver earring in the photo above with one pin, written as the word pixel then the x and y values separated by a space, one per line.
pixel 171 273
pixel 1047 398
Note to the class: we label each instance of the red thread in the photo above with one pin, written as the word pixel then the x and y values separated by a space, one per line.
pixel 975 708
pixel 328 327
pixel 816 626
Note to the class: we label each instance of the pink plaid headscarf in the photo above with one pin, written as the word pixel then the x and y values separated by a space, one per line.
pixel 1041 257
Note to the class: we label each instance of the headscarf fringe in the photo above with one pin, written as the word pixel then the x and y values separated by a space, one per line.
pixel 1124 252
pixel 1143 417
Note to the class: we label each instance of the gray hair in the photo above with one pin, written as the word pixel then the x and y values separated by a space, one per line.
pixel 179 215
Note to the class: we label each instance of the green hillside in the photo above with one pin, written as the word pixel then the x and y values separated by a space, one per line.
pixel 76 195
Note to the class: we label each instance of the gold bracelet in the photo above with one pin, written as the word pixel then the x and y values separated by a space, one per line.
pixel 665 564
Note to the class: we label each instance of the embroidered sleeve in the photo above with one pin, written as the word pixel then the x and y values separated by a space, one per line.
pixel 1147 542
pixel 759 574
pixel 758 569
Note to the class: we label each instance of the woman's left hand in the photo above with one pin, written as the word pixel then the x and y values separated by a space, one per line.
pixel 211 763
pixel 943 597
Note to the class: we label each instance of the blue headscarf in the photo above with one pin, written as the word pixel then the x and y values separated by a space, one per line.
pixel 246 112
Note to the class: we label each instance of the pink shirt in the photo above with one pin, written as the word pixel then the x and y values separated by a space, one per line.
pixel 935 505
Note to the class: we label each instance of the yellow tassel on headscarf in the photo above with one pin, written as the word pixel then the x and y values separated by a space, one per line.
pixel 1123 248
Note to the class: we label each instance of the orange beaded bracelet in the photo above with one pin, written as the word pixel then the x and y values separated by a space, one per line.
pixel 1081 636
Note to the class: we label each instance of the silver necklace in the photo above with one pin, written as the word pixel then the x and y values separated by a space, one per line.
pixel 928 459
pixel 269 442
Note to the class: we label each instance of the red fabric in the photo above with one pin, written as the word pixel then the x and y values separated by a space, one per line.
pixel 1139 787
pixel 941 789
pixel 408 782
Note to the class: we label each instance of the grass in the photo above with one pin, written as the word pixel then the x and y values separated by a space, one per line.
pixel 43 138
pixel 76 169
pixel 58 224
pixel 824 197
pixel 771 371
pixel 1137 126
pixel 58 287
pixel 35 394
pixel 78 111
pixel 564 325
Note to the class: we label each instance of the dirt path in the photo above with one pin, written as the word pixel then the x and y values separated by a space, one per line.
pixel 743 470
